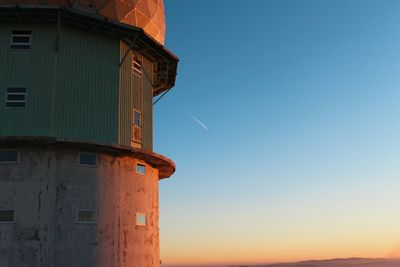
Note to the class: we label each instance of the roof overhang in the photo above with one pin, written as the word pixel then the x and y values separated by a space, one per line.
pixel 137 38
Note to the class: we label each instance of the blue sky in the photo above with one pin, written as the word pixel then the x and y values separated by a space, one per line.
pixel 301 99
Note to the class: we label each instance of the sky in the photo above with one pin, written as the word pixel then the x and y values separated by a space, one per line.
pixel 284 126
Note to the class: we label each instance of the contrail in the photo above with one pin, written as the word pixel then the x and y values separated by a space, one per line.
pixel 196 119
pixel 193 117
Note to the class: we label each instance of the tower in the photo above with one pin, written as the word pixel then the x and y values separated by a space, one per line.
pixel 78 175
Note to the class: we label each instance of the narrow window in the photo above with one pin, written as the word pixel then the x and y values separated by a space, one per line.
pixel 87 159
pixel 137 118
pixel 137 128
pixel 16 97
pixel 85 216
pixel 21 39
pixel 140 168
pixel 8 156
pixel 137 68
pixel 141 219
pixel 7 216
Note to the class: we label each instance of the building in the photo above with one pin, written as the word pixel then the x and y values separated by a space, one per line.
pixel 78 175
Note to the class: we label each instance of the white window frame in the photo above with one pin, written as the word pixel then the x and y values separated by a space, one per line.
pixel 138 214
pixel 144 167
pixel 15 34
pixel 134 119
pixel 9 222
pixel 85 222
pixel 15 101
pixel 137 66
pixel 134 142
pixel 11 162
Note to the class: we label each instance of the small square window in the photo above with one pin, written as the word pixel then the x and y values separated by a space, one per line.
pixel 85 216
pixel 7 216
pixel 16 97
pixel 8 156
pixel 140 168
pixel 21 39
pixel 141 219
pixel 87 159
pixel 137 68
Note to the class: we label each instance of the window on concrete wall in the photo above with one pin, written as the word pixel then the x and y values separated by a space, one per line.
pixel 141 219
pixel 85 216
pixel 16 97
pixel 88 159
pixel 9 156
pixel 7 216
pixel 137 68
pixel 21 39
pixel 140 168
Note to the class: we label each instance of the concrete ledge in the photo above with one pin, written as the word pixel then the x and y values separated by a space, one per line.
pixel 165 166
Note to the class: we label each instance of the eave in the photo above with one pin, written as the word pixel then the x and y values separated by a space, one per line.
pixel 166 62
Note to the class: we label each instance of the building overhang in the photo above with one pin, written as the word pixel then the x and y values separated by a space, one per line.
pixel 165 166
pixel 166 62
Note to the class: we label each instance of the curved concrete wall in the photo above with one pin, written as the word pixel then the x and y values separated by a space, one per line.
pixel 47 186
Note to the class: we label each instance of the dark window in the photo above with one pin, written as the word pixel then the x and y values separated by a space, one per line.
pixel 141 219
pixel 140 168
pixel 21 39
pixel 16 97
pixel 85 216
pixel 6 216
pixel 87 159
pixel 8 156
pixel 137 67
pixel 137 118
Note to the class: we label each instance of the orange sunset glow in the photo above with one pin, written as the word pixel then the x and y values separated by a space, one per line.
pixel 200 133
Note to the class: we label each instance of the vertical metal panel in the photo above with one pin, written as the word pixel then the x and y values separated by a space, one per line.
pixel 87 81
pixel 126 100
pixel 72 94
pixel 135 93
pixel 147 112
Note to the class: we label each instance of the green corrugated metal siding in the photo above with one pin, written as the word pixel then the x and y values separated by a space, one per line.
pixel 135 93
pixel 19 68
pixel 72 94
pixel 87 78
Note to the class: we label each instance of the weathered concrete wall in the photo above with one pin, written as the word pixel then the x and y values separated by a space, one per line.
pixel 46 187
pixel 120 199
